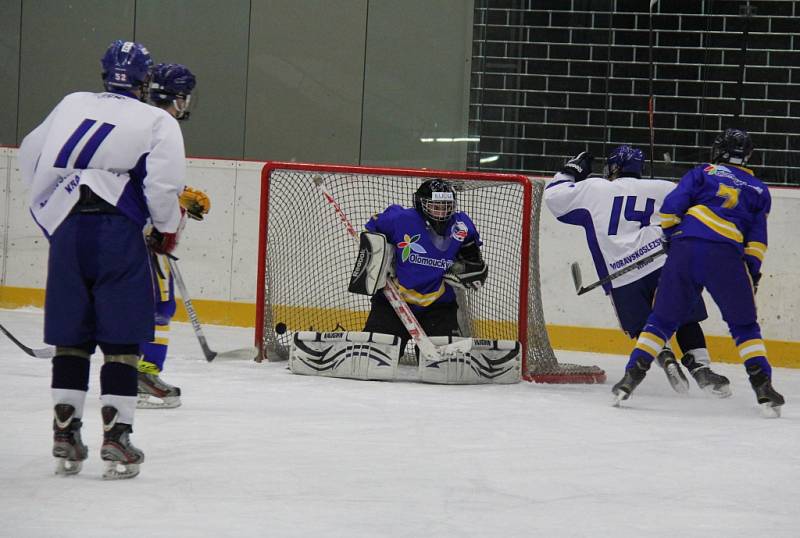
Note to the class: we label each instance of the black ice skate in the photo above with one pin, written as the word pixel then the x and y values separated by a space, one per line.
pixel 769 400
pixel 708 380
pixel 156 394
pixel 675 376
pixel 121 457
pixel 68 448
pixel 633 376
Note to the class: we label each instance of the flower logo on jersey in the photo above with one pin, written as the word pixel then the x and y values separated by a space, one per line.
pixel 459 231
pixel 718 170
pixel 409 244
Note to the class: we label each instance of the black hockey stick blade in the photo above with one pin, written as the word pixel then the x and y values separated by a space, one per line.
pixel 616 274
pixel 576 276
pixel 42 353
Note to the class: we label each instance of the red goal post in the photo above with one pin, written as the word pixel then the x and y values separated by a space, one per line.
pixel 305 257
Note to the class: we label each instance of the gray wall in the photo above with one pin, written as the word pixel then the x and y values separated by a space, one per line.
pixel 342 81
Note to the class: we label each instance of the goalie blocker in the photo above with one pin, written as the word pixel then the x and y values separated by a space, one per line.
pixel 375 356
pixel 372 265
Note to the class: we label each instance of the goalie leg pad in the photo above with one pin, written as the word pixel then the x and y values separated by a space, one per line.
pixel 484 362
pixel 374 262
pixel 351 355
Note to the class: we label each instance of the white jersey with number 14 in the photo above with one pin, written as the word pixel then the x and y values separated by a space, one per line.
pixel 620 219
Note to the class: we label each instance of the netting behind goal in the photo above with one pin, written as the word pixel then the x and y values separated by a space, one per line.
pixel 306 257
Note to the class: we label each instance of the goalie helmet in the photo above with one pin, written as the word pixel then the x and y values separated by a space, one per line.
pixel 435 200
pixel 733 146
pixel 625 161
pixel 172 85
pixel 126 66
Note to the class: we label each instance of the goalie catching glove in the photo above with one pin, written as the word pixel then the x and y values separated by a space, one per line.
pixel 469 270
pixel 196 203
pixel 373 264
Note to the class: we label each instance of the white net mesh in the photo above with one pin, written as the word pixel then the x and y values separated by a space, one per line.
pixel 308 257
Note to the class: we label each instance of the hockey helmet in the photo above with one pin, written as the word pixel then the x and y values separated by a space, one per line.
pixel 126 66
pixel 625 161
pixel 733 146
pixel 435 200
pixel 172 84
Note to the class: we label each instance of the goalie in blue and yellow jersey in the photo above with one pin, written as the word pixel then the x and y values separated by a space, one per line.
pixel 436 248
pixel 715 224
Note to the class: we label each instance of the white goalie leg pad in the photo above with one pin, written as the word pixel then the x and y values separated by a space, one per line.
pixel 351 355
pixel 484 362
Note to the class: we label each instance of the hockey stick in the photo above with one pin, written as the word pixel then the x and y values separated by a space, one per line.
pixel 407 317
pixel 243 353
pixel 651 102
pixel 576 272
pixel 42 353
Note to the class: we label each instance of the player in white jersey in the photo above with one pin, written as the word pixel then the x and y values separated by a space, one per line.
pixel 98 167
pixel 170 89
pixel 620 217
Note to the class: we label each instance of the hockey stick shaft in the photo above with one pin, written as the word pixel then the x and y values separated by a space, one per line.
pixel 187 302
pixel 43 353
pixel 210 354
pixel 407 317
pixel 605 280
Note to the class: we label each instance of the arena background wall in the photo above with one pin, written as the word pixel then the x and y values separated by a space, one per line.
pixel 219 255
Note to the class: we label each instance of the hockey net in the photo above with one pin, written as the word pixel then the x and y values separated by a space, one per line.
pixel 306 257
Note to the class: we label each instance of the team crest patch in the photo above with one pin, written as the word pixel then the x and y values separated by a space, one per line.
pixel 459 231
pixel 409 244
pixel 718 170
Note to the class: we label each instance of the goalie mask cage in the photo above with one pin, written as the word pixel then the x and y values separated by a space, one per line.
pixel 306 257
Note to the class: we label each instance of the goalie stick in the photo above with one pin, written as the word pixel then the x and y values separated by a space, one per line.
pixel 576 272
pixel 42 353
pixel 243 353
pixel 410 321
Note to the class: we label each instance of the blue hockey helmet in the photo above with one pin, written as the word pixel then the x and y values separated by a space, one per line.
pixel 733 146
pixel 435 200
pixel 625 161
pixel 172 84
pixel 126 66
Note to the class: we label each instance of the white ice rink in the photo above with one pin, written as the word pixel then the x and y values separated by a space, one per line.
pixel 257 451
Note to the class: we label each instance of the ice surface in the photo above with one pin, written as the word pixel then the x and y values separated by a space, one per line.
pixel 257 451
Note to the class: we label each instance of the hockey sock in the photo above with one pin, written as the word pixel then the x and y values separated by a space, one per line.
pixel 700 355
pixel 690 336
pixel 153 356
pixel 118 388
pixel 758 363
pixel 70 381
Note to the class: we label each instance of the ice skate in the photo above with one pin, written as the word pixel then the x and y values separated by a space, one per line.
pixel 154 393
pixel 675 376
pixel 633 376
pixel 121 457
pixel 769 400
pixel 68 448
pixel 708 380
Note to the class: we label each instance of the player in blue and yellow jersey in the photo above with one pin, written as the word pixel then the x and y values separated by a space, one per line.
pixel 715 223
pixel 436 248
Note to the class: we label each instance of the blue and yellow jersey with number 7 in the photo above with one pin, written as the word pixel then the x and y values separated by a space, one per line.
pixel 721 203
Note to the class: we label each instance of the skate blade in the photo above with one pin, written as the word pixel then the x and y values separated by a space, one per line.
pixel 65 467
pixel 151 402
pixel 770 411
pixel 678 382
pixel 721 392
pixel 617 399
pixel 119 471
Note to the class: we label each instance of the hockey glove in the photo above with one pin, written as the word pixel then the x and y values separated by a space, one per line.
pixel 665 242
pixel 162 243
pixel 196 203
pixel 467 275
pixel 580 166
pixel 756 278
